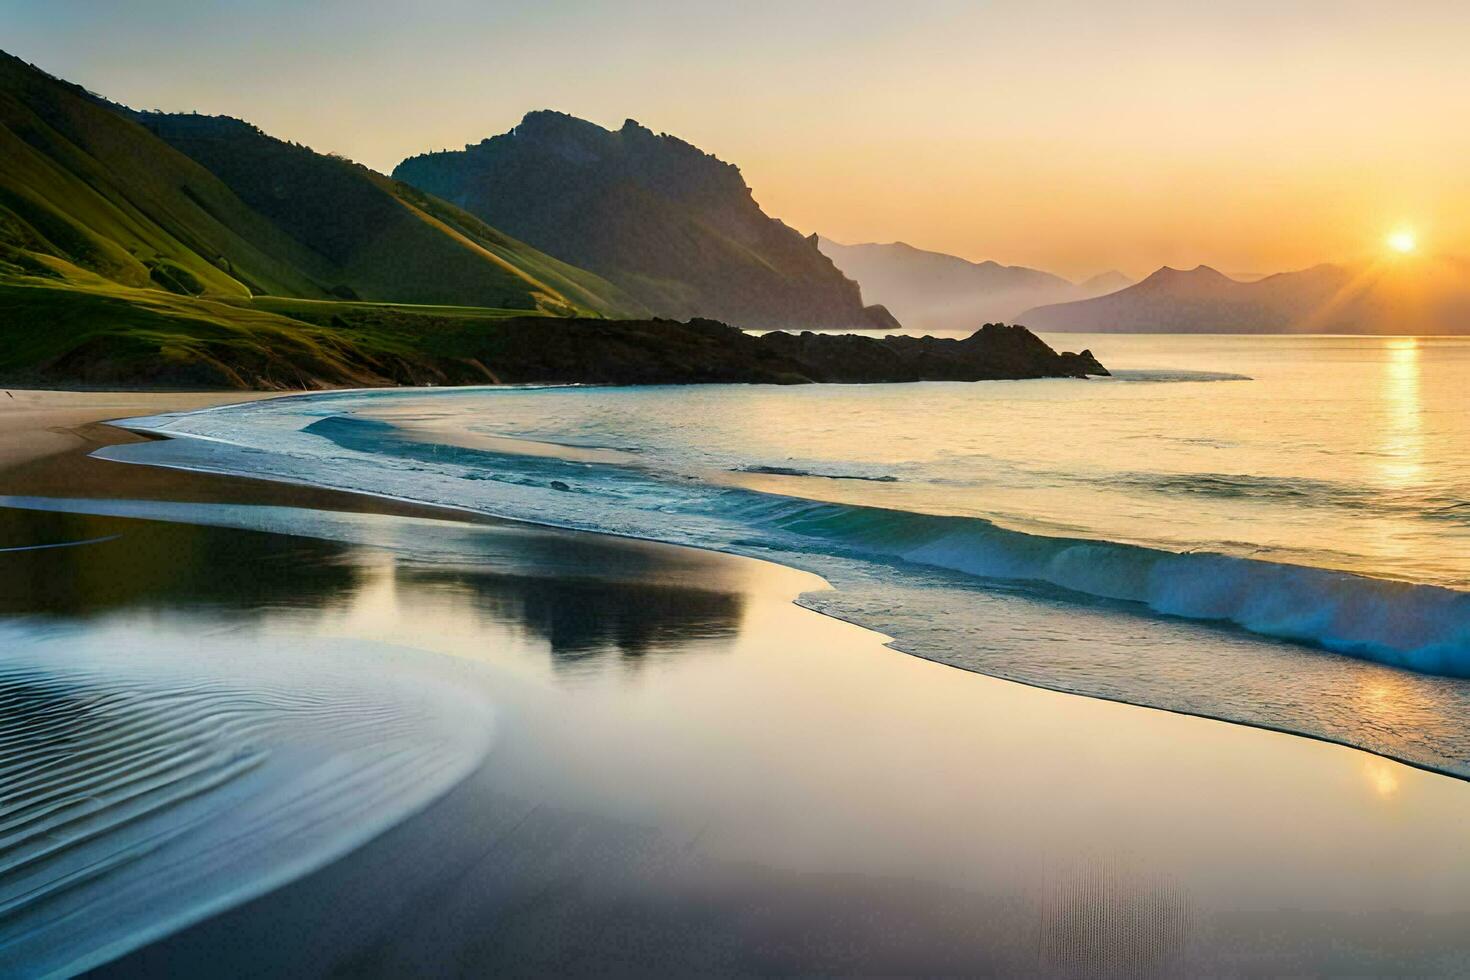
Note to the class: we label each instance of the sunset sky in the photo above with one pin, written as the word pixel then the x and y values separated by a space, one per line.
pixel 1072 136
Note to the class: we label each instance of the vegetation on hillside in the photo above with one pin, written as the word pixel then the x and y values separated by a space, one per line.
pixel 673 226
pixel 156 249
pixel 381 239
pixel 114 335
pixel 159 247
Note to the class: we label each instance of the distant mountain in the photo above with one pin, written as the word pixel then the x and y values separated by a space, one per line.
pixel 1416 295
pixel 92 192
pixel 673 226
pixel 1104 283
pixel 934 291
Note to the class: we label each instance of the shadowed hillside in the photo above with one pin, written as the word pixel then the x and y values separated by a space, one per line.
pixel 90 194
pixel 381 239
pixel 675 227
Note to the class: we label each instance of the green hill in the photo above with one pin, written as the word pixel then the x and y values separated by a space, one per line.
pixel 88 195
pixel 137 238
pixel 376 238
pixel 202 205
pixel 163 249
pixel 674 226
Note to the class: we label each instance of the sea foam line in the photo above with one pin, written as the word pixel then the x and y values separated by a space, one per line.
pixel 1416 626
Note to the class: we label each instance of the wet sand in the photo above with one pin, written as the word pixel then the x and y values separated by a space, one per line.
pixel 46 438
pixel 689 773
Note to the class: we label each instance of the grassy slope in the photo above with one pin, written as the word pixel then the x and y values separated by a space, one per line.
pixel 109 335
pixel 86 186
pixel 675 227
pixel 382 240
pixel 124 260
pixel 105 334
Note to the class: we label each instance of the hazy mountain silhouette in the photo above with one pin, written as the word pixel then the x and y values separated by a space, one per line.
pixel 1410 295
pixel 1104 283
pixel 934 291
pixel 675 227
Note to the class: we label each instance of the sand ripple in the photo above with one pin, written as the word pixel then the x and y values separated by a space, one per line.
pixel 150 776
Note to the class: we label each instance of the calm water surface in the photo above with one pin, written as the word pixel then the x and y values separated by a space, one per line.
pixel 1341 452
pixel 586 754
pixel 1269 530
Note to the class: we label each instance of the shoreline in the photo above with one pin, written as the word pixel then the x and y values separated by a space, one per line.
pixel 715 757
pixel 391 504
pixel 42 475
pixel 47 438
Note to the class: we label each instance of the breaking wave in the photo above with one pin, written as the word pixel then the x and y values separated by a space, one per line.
pixel 1421 627
pixel 797 471
pixel 1417 626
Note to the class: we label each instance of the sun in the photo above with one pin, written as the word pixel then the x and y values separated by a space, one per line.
pixel 1403 241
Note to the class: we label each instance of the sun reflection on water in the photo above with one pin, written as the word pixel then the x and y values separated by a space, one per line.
pixel 1403 434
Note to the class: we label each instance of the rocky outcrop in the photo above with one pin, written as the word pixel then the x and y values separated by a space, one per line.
pixel 671 225
pixel 544 350
pixel 993 352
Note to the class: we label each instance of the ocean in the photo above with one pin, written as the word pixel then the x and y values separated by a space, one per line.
pixel 1266 530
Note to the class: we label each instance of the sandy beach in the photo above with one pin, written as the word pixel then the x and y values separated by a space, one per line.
pixel 690 773
pixel 47 438
pixel 944 489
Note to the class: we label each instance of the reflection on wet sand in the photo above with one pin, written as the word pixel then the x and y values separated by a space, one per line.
pixel 147 716
pixel 244 576
pixel 588 619
pixel 170 567
pixel 688 773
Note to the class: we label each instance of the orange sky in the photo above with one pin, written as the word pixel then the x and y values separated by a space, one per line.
pixel 1071 136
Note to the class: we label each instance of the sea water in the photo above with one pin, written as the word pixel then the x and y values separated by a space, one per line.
pixel 1267 530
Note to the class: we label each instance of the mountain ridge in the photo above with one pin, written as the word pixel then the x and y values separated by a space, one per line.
pixel 674 226
pixel 94 190
pixel 196 251
pixel 1418 295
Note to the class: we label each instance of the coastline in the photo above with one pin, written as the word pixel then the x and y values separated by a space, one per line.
pixel 47 438
pixel 753 786
pixel 1437 751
